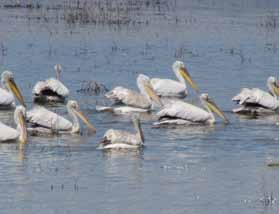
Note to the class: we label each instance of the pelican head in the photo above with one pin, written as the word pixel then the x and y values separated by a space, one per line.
pixel 58 70
pixel 146 89
pixel 273 86
pixel 74 110
pixel 20 120
pixel 183 75
pixel 212 107
pixel 7 79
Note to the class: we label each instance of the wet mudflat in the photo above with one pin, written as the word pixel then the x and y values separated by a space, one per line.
pixel 220 169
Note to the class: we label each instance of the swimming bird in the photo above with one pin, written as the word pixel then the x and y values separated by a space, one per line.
pixel 46 122
pixel 258 102
pixel 51 90
pixel 9 134
pixel 133 101
pixel 9 91
pixel 118 139
pixel 182 113
pixel 172 88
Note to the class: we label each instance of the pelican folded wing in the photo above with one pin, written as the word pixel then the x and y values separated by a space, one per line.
pixel 256 97
pixel 168 88
pixel 185 111
pixel 58 87
pixel 42 117
pixel 7 133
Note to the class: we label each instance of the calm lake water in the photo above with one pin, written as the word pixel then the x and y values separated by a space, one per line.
pixel 222 169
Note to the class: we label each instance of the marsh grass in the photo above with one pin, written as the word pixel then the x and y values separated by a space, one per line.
pixel 14 4
pixel 101 12
pixel 270 22
pixel 268 199
pixel 104 12
pixel 3 49
pixel 183 52
pixel 117 12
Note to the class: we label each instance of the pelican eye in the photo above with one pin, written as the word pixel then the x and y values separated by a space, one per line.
pixel 75 106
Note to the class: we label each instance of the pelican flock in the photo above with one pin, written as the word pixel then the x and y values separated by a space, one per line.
pixel 40 121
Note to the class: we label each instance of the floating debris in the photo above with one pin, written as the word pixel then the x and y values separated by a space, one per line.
pixel 92 87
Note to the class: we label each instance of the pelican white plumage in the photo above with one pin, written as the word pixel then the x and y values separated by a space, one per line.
pixel 51 90
pixel 47 122
pixel 118 139
pixel 172 88
pixel 9 134
pixel 9 91
pixel 133 101
pixel 258 102
pixel 182 113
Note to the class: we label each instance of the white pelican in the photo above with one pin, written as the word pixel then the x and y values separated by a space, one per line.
pixel 8 91
pixel 133 101
pixel 172 88
pixel 8 134
pixel 47 122
pixel 256 101
pixel 117 139
pixel 182 113
pixel 51 90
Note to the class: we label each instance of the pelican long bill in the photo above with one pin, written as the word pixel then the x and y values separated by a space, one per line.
pixel 23 126
pixel 16 92
pixel 213 107
pixel 185 74
pixel 85 120
pixel 152 94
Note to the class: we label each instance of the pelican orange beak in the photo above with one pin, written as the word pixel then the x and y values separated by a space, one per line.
pixel 214 108
pixel 85 120
pixel 16 91
pixel 186 75
pixel 22 123
pixel 152 94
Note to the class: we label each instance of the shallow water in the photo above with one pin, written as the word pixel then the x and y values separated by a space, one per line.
pixel 220 169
